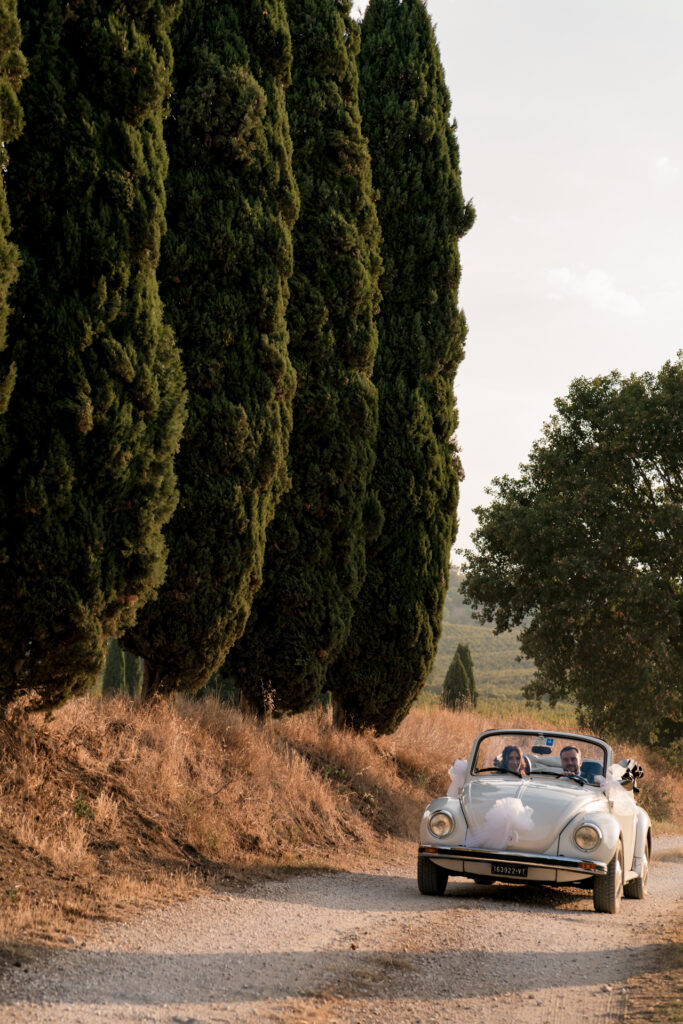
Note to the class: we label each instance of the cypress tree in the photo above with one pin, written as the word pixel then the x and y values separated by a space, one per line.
pixel 114 679
pixel 96 411
pixel 315 557
pixel 226 262
pixel 456 692
pixel 405 107
pixel 12 73
pixel 463 652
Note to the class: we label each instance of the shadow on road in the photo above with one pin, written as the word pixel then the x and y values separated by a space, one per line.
pixel 142 979
pixel 381 893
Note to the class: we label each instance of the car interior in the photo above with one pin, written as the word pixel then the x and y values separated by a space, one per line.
pixel 548 762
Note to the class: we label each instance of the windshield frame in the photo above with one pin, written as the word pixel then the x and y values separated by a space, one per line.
pixel 570 737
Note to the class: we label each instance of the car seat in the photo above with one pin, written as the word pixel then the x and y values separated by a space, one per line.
pixel 589 769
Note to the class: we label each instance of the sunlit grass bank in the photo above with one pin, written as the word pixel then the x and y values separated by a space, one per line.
pixel 112 805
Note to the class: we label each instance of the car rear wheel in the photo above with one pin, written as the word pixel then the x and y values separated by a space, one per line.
pixel 431 879
pixel 608 889
pixel 636 889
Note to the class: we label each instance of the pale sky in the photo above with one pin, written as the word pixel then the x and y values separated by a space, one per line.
pixel 571 147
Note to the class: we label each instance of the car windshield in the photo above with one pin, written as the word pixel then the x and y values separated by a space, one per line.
pixel 541 755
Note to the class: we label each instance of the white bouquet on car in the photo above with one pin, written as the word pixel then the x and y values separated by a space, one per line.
pixel 502 825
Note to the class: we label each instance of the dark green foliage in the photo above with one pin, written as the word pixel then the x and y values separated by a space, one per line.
pixel 465 656
pixel 133 668
pixel 584 551
pixel 463 652
pixel 315 560
pixel 122 672
pixel 226 262
pixel 220 687
pixel 459 689
pixel 456 691
pixel 114 679
pixel 86 468
pixel 406 108
pixel 12 73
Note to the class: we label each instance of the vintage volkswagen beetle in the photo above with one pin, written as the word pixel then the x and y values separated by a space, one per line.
pixel 565 816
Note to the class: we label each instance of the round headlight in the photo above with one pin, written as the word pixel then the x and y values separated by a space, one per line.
pixel 441 824
pixel 587 837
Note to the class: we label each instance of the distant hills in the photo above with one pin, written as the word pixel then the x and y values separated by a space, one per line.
pixel 496 670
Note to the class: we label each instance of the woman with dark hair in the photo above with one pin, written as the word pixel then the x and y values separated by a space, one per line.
pixel 513 760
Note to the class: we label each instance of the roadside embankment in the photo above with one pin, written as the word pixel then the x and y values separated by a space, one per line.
pixel 110 805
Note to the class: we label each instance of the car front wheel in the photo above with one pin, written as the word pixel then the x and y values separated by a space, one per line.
pixel 431 879
pixel 608 889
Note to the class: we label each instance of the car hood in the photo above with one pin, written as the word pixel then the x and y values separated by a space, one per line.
pixel 552 805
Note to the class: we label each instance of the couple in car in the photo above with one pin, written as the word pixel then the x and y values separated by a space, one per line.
pixel 570 758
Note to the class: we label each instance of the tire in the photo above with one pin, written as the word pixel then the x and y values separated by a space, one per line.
pixel 636 889
pixel 608 889
pixel 431 879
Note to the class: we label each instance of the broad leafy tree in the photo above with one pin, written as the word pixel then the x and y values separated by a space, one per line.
pixel 86 468
pixel 405 107
pixel 12 73
pixel 583 552
pixel 226 263
pixel 315 560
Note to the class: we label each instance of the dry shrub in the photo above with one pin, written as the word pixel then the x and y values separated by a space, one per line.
pixel 65 846
pixel 360 766
pixel 108 799
pixel 262 794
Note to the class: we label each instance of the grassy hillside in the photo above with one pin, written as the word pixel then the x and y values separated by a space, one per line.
pixel 497 672
pixel 111 805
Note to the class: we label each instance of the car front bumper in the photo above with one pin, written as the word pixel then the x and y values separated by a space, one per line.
pixel 511 865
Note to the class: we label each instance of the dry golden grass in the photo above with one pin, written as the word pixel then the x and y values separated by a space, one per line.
pixel 107 801
pixel 111 805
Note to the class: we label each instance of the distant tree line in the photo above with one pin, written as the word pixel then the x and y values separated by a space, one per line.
pixel 229 330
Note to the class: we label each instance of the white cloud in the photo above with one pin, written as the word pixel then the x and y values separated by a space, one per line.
pixel 665 170
pixel 594 287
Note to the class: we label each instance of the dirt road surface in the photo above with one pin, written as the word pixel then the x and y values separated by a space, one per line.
pixel 362 947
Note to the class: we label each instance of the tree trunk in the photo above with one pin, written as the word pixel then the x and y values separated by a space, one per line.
pixel 338 713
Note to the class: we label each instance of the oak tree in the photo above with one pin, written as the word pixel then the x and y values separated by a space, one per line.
pixel 583 552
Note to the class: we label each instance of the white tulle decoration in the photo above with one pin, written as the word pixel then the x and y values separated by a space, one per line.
pixel 502 824
pixel 611 786
pixel 457 773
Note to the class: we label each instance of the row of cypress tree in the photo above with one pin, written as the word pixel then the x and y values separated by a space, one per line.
pixel 201 320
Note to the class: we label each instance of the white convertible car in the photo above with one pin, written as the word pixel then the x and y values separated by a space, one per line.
pixel 550 808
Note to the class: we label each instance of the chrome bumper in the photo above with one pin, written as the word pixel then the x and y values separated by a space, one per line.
pixel 531 860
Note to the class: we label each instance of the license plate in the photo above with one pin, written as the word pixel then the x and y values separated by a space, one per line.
pixel 515 870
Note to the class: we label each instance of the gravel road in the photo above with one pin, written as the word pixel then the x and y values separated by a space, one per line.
pixel 357 947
